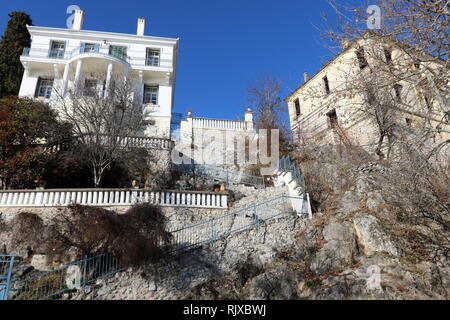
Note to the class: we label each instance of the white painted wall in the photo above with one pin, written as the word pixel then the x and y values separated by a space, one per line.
pixel 38 64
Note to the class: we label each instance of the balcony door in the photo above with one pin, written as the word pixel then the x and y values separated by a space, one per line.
pixel 57 49
pixel 89 47
pixel 118 52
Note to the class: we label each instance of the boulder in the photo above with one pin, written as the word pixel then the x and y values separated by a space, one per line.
pixel 374 201
pixel 338 231
pixel 371 236
pixel 349 203
pixel 278 284
pixel 41 262
pixel 333 256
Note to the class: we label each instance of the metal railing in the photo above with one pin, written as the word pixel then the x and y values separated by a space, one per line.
pixel 84 49
pixel 6 267
pixel 222 175
pixel 65 54
pixel 76 275
pixel 238 220
pixel 69 278
pixel 45 53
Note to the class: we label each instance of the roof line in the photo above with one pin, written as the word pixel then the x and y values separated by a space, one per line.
pixel 37 28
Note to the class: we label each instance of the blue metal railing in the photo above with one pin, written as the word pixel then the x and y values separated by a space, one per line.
pixel 6 267
pixel 71 277
pixel 78 274
pixel 238 220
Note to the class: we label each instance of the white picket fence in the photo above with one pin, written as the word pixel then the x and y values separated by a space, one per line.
pixel 111 197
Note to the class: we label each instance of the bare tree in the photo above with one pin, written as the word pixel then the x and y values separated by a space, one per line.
pixel 397 73
pixel 105 114
pixel 265 96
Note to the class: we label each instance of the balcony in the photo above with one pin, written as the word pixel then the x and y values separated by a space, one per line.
pixel 43 53
pixel 153 64
pixel 67 55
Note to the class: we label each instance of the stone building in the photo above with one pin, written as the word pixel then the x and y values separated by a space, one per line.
pixel 330 106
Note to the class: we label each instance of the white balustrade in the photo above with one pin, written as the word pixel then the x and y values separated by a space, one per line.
pixel 219 124
pixel 102 197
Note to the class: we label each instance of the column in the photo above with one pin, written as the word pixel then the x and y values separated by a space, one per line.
pixel 109 77
pixel 78 74
pixel 65 79
pixel 125 74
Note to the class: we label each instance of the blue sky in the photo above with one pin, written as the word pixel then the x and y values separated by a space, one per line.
pixel 223 44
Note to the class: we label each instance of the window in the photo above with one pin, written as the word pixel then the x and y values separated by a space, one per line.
pixel 152 58
pixel 57 49
pixel 118 52
pixel 398 92
pixel 297 107
pixel 332 119
pixel 89 47
pixel 408 122
pixel 326 84
pixel 361 58
pixel 44 88
pixel 388 55
pixel 90 86
pixel 151 94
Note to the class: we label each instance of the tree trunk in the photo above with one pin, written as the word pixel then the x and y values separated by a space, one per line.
pixel 378 151
pixel 98 175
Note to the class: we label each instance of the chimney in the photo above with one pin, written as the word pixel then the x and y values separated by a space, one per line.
pixel 79 19
pixel 140 27
pixel 248 115
pixel 305 76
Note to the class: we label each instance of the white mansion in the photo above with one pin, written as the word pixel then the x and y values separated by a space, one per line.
pixel 61 58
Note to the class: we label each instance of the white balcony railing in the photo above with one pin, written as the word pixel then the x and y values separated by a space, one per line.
pixel 66 55
pixel 219 124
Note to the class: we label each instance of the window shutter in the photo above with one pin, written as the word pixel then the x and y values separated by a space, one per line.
pixel 82 47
